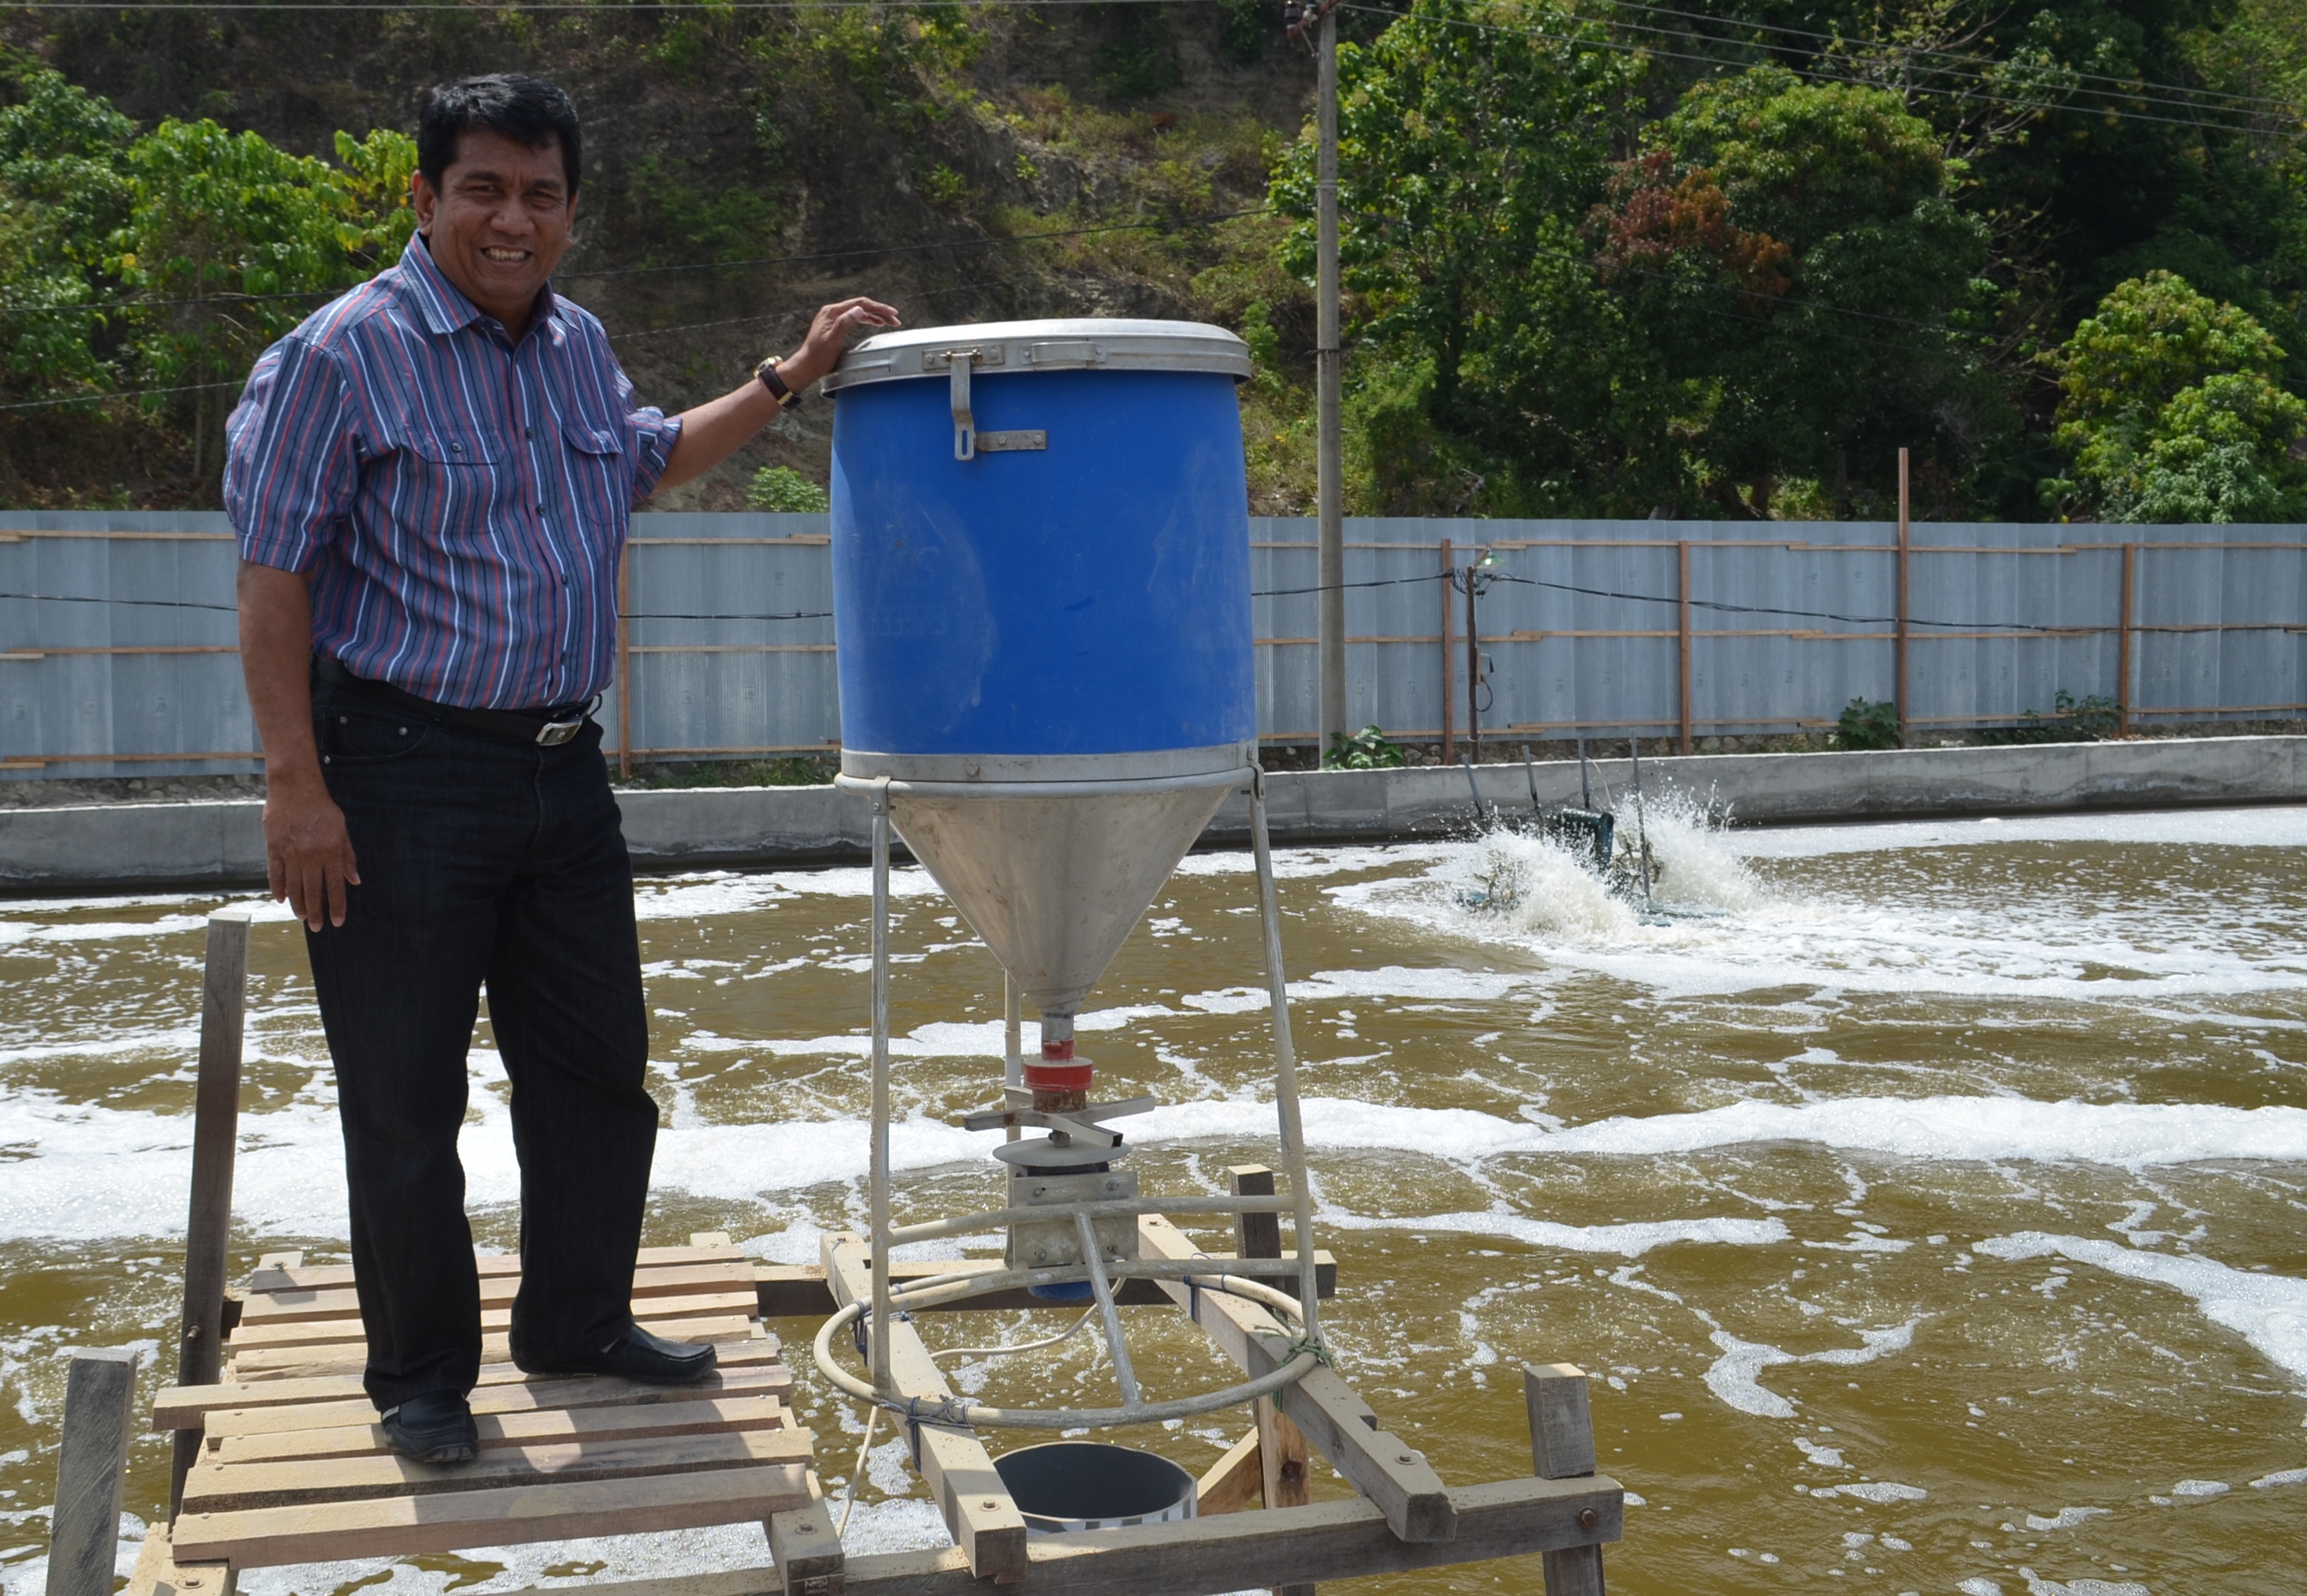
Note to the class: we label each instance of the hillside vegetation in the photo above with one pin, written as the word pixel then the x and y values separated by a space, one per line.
pixel 1602 259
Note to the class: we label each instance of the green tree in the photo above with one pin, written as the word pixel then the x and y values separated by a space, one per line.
pixel 63 192
pixel 242 238
pixel 2171 411
pixel 1792 254
pixel 1492 373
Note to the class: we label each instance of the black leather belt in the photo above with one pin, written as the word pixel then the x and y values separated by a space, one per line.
pixel 546 728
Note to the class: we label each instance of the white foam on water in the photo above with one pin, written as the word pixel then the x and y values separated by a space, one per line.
pixel 2038 1586
pixel 2269 1311
pixel 2275 828
pixel 2199 1489
pixel 1733 1377
pixel 1882 1493
pixel 1630 1241
pixel 2282 1476
pixel 2067 1518
pixel 32 932
pixel 1723 931
pixel 1310 864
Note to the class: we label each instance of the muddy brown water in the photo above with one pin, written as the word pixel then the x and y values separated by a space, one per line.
pixel 1926 1200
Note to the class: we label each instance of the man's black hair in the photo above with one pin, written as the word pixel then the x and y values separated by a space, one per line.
pixel 528 110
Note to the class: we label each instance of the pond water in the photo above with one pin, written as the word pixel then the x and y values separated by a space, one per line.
pixel 1926 1200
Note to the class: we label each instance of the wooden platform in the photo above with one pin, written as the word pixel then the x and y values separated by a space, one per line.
pixel 292 1466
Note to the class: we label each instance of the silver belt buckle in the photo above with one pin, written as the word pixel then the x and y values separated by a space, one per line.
pixel 552 734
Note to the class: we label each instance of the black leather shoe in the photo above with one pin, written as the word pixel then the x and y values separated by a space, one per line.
pixel 436 1428
pixel 637 1355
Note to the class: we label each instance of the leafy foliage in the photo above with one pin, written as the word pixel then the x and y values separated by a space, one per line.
pixel 783 488
pixel 1365 750
pixel 2092 718
pixel 2171 411
pixel 1867 723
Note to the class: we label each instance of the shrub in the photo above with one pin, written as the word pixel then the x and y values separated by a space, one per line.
pixel 783 488
pixel 1867 723
pixel 2092 718
pixel 1365 750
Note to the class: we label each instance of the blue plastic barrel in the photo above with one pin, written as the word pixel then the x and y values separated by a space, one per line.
pixel 1049 553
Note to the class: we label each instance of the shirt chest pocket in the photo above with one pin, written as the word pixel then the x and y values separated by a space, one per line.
pixel 600 478
pixel 449 482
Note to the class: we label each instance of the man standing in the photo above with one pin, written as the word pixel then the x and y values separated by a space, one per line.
pixel 431 479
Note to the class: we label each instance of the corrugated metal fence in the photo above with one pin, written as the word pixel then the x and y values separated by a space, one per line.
pixel 117 630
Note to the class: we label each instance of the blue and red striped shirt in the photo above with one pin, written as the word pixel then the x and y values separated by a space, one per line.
pixel 460 502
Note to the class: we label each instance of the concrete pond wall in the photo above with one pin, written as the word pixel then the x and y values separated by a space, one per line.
pixel 120 846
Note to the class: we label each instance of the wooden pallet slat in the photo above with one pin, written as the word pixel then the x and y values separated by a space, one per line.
pixel 772 1382
pixel 260 1332
pixel 536 1427
pixel 276 1362
pixel 223 1487
pixel 451 1521
pixel 279 1295
pixel 182 1407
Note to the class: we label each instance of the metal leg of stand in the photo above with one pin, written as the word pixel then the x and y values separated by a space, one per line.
pixel 880 1177
pixel 1013 1041
pixel 1104 1288
pixel 1285 1062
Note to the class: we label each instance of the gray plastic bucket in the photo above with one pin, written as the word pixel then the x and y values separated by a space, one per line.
pixel 1089 1485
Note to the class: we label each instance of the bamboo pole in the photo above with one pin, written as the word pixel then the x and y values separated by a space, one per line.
pixel 1900 689
pixel 1330 487
pixel 1449 661
pixel 2123 693
pixel 1682 594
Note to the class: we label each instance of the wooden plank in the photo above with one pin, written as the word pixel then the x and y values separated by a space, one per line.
pixel 259 1363
pixel 533 1428
pixel 806 1547
pixel 401 1526
pixel 1284 1472
pixel 99 1423
pixel 159 1573
pixel 1562 1447
pixel 799 1291
pixel 489 1264
pixel 984 1522
pixel 216 1135
pixel 225 1486
pixel 182 1407
pixel 1234 1481
pixel 741 1303
pixel 1381 1465
pixel 286 1302
pixel 774 1381
pixel 1206 1557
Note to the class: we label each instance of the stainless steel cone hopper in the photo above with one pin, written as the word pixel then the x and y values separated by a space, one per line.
pixel 1042 603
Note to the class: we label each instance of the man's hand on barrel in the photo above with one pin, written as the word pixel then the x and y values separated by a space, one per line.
pixel 829 336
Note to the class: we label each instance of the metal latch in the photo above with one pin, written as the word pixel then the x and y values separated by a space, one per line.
pixel 967 440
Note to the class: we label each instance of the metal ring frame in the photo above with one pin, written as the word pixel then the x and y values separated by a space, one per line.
pixel 1228 1276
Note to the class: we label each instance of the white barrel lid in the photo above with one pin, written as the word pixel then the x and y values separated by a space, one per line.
pixel 1072 344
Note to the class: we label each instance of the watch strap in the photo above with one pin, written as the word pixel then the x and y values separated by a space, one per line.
pixel 770 379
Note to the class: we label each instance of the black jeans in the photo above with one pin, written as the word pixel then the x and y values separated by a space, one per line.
pixel 484 862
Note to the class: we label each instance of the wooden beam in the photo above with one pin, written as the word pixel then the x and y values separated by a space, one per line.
pixel 1234 1481
pixel 322 1275
pixel 218 1485
pixel 1562 1447
pixel 159 1573
pixel 532 1428
pixel 770 1384
pixel 184 1407
pixel 1283 1472
pixel 216 1135
pixel 806 1547
pixel 401 1526
pixel 1205 1557
pixel 798 1291
pixel 99 1423
pixel 985 1523
pixel 1381 1465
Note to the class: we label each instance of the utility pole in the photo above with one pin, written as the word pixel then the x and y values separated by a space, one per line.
pixel 1330 497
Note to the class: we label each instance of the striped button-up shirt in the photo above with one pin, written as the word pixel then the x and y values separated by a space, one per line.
pixel 460 500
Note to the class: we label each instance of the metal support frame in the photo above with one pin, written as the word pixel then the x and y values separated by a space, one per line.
pixel 1230 1276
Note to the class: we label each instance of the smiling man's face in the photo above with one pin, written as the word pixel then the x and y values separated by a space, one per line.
pixel 498 223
